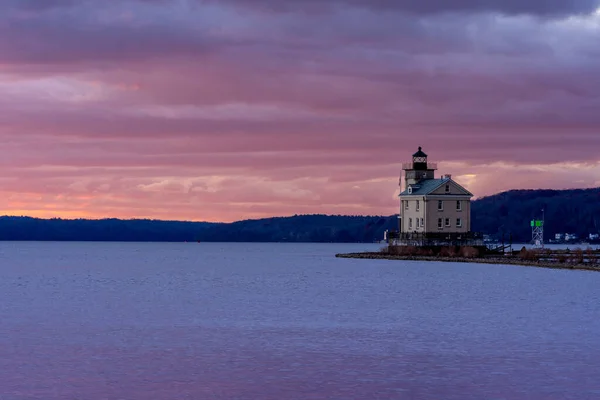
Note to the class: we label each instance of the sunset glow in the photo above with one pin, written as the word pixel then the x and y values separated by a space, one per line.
pixel 235 109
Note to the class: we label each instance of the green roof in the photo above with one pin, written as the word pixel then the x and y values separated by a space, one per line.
pixel 427 186
pixel 424 187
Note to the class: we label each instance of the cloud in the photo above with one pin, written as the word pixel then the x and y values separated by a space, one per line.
pixel 226 110
pixel 90 33
pixel 510 7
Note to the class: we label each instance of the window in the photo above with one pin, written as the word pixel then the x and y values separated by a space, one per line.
pixel 406 205
pixel 447 221
pixel 418 205
pixel 439 223
pixel 458 223
pixel 410 223
pixel 417 221
pixel 447 188
pixel 440 205
pixel 410 190
pixel 458 205
pixel 422 224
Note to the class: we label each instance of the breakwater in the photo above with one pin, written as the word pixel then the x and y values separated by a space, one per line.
pixel 508 259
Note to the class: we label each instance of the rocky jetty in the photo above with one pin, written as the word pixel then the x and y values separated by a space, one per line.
pixel 558 259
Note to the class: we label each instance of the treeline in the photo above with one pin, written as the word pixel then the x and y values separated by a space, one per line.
pixel 56 229
pixel 566 211
pixel 303 228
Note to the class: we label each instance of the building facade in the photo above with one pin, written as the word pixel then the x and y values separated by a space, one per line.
pixel 432 206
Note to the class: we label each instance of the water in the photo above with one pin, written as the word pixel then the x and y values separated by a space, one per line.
pixel 287 321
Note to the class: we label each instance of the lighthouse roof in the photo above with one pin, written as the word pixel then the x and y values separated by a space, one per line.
pixel 420 153
pixel 427 186
pixel 424 187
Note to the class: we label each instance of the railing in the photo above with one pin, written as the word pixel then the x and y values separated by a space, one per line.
pixel 435 238
pixel 409 165
pixel 437 235
pixel 426 174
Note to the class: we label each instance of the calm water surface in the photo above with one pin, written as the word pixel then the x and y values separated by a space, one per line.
pixel 95 321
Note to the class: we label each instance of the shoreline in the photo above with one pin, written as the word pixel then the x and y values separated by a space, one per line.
pixel 477 260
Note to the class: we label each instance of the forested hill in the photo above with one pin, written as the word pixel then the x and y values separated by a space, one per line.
pixel 567 211
pixel 302 228
pixel 26 228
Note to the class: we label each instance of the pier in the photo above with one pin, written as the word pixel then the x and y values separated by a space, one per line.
pixel 577 259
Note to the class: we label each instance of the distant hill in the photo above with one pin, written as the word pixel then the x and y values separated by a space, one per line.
pixel 303 228
pixel 26 228
pixel 567 211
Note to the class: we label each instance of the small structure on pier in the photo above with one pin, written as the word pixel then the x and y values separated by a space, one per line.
pixel 433 211
pixel 537 233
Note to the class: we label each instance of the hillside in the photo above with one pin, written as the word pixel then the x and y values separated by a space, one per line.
pixel 303 228
pixel 572 211
pixel 26 228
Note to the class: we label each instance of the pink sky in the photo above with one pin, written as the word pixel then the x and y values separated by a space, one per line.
pixel 227 110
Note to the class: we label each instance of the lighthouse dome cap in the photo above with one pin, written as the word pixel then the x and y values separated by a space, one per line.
pixel 420 153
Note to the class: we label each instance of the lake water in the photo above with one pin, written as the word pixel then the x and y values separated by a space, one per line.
pixel 91 321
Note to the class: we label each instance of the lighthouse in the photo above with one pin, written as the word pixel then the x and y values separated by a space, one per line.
pixel 431 206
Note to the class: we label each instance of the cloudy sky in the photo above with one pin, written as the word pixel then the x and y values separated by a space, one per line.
pixel 221 110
